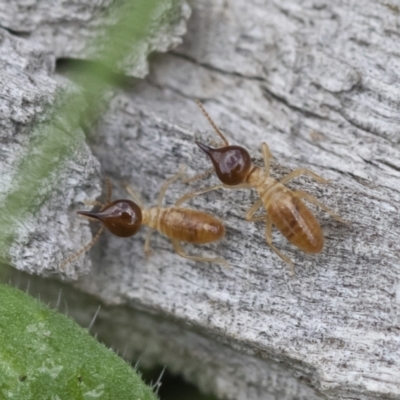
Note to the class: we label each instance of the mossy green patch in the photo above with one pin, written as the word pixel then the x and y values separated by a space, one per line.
pixel 45 355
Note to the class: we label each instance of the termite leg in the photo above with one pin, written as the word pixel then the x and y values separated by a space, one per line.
pixel 190 195
pixel 134 195
pixel 312 199
pixel 249 215
pixel 83 249
pixel 179 250
pixel 258 218
pixel 201 176
pixel 302 171
pixel 268 238
pixel 165 186
pixel 239 186
pixel 266 156
pixel 147 248
pixel 268 230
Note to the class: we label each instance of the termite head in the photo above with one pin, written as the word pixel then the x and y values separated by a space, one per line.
pixel 123 218
pixel 232 163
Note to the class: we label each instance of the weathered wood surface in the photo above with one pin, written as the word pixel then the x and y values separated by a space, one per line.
pixel 319 82
pixel 27 91
pixel 69 28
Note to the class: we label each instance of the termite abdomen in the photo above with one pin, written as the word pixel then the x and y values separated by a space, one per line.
pixel 190 226
pixel 296 222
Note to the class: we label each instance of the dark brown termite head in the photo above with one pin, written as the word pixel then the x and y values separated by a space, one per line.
pixel 123 218
pixel 232 163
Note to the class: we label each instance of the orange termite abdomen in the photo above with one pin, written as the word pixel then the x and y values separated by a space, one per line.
pixel 190 226
pixel 123 218
pixel 295 221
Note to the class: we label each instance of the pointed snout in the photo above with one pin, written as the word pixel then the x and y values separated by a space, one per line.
pixel 204 147
pixel 90 214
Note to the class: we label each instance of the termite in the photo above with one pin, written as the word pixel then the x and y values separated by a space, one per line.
pixel 124 218
pixel 284 207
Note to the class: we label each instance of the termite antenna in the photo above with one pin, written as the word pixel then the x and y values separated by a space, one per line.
pixel 212 123
pixel 83 249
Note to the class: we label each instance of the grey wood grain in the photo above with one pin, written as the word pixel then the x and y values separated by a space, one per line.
pixel 29 90
pixel 319 83
pixel 43 239
pixel 70 28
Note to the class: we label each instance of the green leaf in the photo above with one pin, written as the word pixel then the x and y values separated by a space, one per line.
pixel 45 355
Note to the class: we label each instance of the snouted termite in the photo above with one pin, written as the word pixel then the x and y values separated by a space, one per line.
pixel 284 207
pixel 124 218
